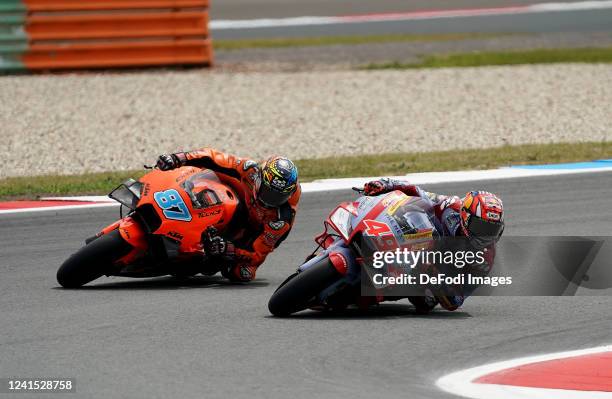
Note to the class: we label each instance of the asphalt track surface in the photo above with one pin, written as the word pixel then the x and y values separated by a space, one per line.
pixel 204 338
pixel 543 22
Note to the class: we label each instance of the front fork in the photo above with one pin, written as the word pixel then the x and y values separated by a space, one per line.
pixel 343 260
pixel 341 256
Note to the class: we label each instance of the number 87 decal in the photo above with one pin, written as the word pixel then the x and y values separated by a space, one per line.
pixel 173 205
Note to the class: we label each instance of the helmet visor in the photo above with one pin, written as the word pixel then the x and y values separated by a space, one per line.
pixel 478 227
pixel 272 198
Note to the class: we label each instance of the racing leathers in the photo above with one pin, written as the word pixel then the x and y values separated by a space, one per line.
pixel 259 229
pixel 447 221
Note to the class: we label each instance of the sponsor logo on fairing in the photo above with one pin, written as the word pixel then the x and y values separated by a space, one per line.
pixel 175 235
pixel 146 189
pixel 211 213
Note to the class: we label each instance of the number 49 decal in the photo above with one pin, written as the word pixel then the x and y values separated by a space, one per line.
pixel 173 205
pixel 376 228
pixel 382 235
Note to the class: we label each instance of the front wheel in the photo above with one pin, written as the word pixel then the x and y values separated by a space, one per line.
pixel 296 293
pixel 93 260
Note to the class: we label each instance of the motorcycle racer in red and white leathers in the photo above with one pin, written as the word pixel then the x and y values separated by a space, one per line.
pixel 479 217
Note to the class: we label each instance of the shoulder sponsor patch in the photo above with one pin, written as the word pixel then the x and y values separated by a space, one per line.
pixel 452 203
pixel 452 220
pixel 255 179
pixel 433 196
pixel 270 239
pixel 276 225
pixel 249 164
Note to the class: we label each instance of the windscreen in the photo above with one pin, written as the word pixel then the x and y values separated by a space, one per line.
pixel 197 187
pixel 341 218
pixel 128 193
pixel 412 216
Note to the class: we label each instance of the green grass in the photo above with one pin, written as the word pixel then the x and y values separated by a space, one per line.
pixel 88 183
pixel 240 44
pixel 402 163
pixel 542 56
pixel 348 166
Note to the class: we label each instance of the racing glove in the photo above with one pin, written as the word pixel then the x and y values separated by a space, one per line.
pixel 218 246
pixel 170 161
pixel 377 187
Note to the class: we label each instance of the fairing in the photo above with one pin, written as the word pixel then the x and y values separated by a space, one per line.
pixel 184 202
pixel 384 222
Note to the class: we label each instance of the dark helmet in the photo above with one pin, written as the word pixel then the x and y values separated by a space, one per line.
pixel 279 180
pixel 482 218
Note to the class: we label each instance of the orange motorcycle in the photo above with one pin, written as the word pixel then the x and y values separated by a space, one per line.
pixel 170 216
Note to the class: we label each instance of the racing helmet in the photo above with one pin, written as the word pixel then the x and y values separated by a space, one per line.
pixel 279 180
pixel 482 218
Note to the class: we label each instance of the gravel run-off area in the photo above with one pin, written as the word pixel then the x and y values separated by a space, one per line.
pixel 74 123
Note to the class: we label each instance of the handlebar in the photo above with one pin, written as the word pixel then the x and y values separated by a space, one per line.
pixel 359 190
pixel 208 234
pixel 206 238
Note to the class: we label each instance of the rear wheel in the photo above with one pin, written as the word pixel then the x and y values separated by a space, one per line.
pixel 93 260
pixel 297 292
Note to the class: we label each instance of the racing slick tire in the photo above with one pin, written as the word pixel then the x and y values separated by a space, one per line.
pixel 93 260
pixel 296 293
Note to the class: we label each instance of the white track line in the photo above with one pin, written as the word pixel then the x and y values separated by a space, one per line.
pixel 84 198
pixel 59 208
pixel 416 178
pixel 407 16
pixel 460 382
pixel 346 184
pixel 447 177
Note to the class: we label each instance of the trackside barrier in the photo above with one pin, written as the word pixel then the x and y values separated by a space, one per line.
pixel 69 34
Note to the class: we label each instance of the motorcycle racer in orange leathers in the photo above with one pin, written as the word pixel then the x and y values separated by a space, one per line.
pixel 270 193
